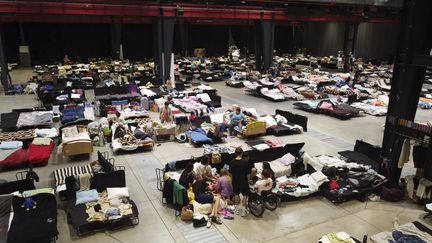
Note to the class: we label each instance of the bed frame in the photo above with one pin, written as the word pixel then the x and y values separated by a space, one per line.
pixel 78 147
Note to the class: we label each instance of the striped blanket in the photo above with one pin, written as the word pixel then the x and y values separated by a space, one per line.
pixel 61 174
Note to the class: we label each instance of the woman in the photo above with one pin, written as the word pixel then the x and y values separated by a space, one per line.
pixel 215 133
pixel 224 185
pixel 265 183
pixel 187 176
pixel 203 196
pixel 165 113
pixel 236 119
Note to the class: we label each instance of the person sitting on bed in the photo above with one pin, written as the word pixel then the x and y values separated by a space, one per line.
pixel 215 133
pixel 119 118
pixel 236 119
pixel 203 195
pixel 165 113
pixel 187 176
pixel 224 185
pixel 265 183
pixel 204 169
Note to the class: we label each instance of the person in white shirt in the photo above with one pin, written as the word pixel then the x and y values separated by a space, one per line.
pixel 265 183
pixel 204 169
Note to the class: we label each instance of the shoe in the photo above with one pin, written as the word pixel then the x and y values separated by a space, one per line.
pixel 236 211
pixel 216 219
pixel 229 217
pixel 243 212
pixel 209 221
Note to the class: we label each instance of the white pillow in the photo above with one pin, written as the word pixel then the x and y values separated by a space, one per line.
pixel 204 97
pixel 287 159
pixel 117 192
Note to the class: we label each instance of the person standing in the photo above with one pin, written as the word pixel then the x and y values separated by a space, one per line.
pixel 165 113
pixel 240 171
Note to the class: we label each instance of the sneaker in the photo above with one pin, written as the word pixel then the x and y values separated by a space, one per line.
pixel 237 211
pixel 216 219
pixel 243 212
pixel 209 221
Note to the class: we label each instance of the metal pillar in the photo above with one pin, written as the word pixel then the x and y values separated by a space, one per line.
pixel 164 32
pixel 264 43
pixel 115 39
pixel 5 78
pixel 412 57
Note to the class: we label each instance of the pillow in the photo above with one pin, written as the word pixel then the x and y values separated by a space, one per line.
pixel 117 192
pixel 204 97
pixel 287 159
pixel 86 196
pixel 11 144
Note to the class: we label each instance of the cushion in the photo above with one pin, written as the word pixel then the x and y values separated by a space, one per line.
pixel 287 159
pixel 86 196
pixel 16 158
pixel 117 192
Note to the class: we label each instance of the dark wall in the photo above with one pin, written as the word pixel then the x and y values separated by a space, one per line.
pixel 211 37
pixel 50 42
pixel 286 39
pixel 11 41
pixel 322 38
pixel 377 40
pixel 374 40
pixel 137 40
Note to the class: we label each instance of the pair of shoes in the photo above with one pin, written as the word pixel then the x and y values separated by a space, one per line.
pixel 209 221
pixel 216 219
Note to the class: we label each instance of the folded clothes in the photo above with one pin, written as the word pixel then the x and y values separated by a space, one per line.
pixel 112 212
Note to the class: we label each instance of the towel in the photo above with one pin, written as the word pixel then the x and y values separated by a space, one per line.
pixel 41 141
pixel 84 182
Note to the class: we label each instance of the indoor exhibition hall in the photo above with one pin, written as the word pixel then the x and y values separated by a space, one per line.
pixel 294 121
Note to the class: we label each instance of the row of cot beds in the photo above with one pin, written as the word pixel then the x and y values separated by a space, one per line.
pixel 269 124
pixel 300 176
pixel 38 224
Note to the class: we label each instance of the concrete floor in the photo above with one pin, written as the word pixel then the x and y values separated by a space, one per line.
pixel 302 221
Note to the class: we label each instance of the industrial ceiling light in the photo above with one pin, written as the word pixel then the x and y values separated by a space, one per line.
pixel 243 2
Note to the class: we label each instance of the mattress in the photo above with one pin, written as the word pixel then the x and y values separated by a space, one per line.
pixel 278 168
pixel 82 226
pixel 39 224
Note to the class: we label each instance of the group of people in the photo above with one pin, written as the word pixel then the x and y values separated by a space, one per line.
pixel 237 177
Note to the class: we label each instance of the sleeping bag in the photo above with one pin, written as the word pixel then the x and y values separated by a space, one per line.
pixel 71 114
pixel 17 158
pixel 199 137
pixel 39 154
